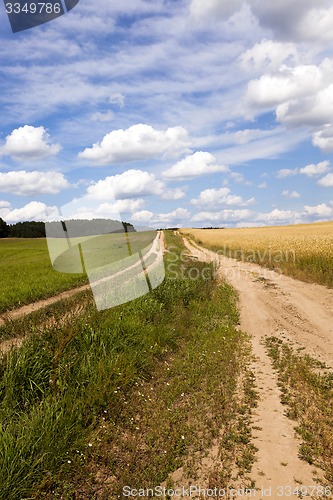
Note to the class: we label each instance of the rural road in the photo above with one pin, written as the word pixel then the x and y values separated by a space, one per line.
pixel 276 305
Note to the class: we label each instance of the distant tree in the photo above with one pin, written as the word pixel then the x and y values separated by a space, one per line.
pixel 27 229
pixel 4 229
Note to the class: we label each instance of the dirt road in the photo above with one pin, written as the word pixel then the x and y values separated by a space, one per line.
pixel 275 305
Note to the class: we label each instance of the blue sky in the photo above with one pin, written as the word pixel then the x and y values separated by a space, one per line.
pixel 182 112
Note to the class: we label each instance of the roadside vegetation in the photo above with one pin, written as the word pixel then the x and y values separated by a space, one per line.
pixel 307 391
pixel 303 251
pixel 99 400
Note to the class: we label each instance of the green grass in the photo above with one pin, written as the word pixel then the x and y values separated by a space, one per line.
pixel 127 395
pixel 307 391
pixel 27 274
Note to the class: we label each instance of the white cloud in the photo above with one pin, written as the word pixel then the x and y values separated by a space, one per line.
pixel 210 198
pixel 83 209
pixel 318 169
pixel 274 89
pixel 263 185
pixel 214 8
pixel 102 117
pixel 129 184
pixel 317 25
pixel 239 178
pixel 176 217
pixel 32 211
pixel 269 54
pixel 286 172
pixel 224 216
pixel 290 194
pixel 324 139
pixel 195 165
pixel 321 210
pixel 29 143
pixel 139 142
pixel 31 183
pixel 118 99
pixel 311 170
pixel 173 194
pixel 317 109
pixel 296 19
pixel 326 181
pixel 126 205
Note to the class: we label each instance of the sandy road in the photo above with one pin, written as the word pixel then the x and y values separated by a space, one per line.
pixel 273 304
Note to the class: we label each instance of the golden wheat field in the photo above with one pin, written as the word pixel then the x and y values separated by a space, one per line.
pixel 304 251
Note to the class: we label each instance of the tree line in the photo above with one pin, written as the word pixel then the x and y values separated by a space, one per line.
pixel 33 229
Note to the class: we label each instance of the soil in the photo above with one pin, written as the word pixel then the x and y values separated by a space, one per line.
pixel 272 304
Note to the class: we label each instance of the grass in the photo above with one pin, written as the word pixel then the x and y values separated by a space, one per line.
pixel 27 274
pixel 304 251
pixel 127 395
pixel 307 391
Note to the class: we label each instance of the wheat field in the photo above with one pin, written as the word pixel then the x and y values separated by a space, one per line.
pixel 304 251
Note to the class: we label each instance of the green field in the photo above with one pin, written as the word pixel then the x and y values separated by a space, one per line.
pixel 128 394
pixel 27 274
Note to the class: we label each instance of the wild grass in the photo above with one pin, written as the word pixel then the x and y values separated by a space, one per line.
pixel 307 391
pixel 304 251
pixel 27 274
pixel 126 395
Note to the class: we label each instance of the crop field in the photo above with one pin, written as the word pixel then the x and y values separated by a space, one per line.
pixel 27 274
pixel 93 401
pixel 304 251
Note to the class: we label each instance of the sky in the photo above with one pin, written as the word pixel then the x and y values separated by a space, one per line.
pixel 171 113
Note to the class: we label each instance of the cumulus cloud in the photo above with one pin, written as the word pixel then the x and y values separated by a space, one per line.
pixel 294 20
pixel 129 184
pixel 224 216
pixel 246 217
pixel 139 142
pixel 173 194
pixel 274 89
pixel 290 194
pixel 269 54
pixel 286 172
pixel 311 170
pixel 326 181
pixel 29 143
pixel 176 217
pixel 322 211
pixel 210 198
pixel 83 209
pixel 34 210
pixel 301 95
pixel 195 165
pixel 324 139
pixel 24 183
